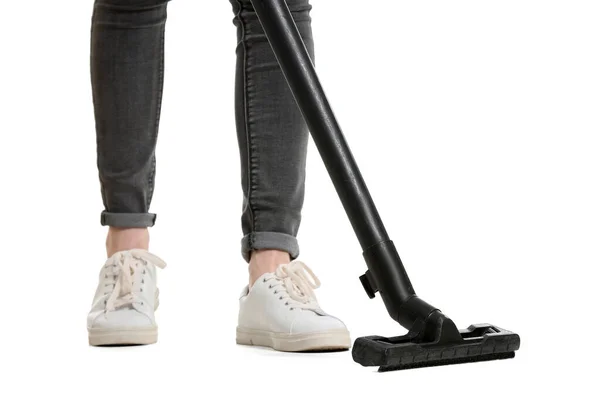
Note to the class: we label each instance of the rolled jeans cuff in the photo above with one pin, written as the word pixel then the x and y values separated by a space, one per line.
pixel 271 241
pixel 127 220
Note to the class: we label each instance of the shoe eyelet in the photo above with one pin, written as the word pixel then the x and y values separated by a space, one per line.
pixel 142 281
pixel 280 297
pixel 141 289
pixel 264 279
pixel 286 303
pixel 270 286
pixel 144 272
pixel 275 292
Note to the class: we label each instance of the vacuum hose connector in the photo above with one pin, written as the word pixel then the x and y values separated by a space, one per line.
pixel 386 275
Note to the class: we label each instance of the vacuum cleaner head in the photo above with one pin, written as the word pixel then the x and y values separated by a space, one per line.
pixel 433 338
pixel 481 342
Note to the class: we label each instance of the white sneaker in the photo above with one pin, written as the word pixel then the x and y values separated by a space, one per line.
pixel 281 311
pixel 125 300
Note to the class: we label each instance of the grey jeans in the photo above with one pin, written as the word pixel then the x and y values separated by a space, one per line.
pixel 127 69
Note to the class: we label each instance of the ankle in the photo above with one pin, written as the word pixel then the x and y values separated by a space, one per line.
pixel 120 239
pixel 265 261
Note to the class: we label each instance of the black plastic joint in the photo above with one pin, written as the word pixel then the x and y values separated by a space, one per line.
pixel 368 284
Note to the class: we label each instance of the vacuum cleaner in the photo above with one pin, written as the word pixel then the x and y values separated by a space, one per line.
pixel 432 339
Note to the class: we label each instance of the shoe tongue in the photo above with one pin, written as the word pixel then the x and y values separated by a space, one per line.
pixel 298 295
pixel 297 290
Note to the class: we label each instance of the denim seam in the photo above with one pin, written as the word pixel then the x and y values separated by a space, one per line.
pixel 125 26
pixel 151 179
pixel 285 242
pixel 128 7
pixel 94 101
pixel 247 111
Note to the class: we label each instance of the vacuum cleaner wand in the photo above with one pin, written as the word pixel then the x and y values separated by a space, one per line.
pixel 433 338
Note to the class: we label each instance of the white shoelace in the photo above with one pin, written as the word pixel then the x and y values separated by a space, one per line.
pixel 298 288
pixel 124 266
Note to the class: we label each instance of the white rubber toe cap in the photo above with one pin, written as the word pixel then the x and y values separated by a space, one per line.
pixel 121 319
pixel 309 321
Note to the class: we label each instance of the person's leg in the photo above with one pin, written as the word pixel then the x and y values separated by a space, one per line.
pixel 273 138
pixel 127 56
pixel 278 308
pixel 126 66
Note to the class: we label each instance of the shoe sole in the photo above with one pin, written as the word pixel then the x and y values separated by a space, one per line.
pixel 108 337
pixel 320 341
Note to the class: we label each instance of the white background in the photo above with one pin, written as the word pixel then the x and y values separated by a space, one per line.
pixel 475 124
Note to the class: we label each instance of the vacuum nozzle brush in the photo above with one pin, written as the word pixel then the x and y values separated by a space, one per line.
pixel 433 338
pixel 482 342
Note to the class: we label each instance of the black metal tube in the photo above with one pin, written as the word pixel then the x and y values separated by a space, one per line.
pixel 386 273
pixel 296 64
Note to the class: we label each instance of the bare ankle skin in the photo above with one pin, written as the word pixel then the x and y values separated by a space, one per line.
pixel 264 261
pixel 119 239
